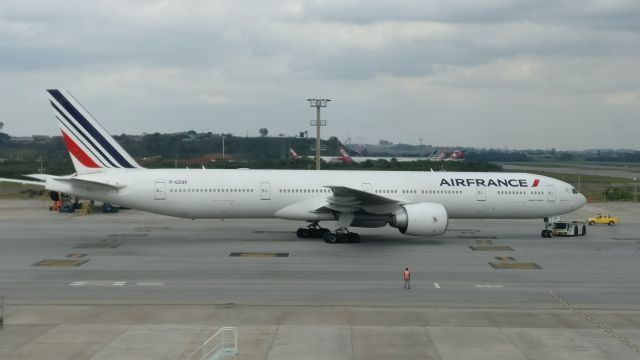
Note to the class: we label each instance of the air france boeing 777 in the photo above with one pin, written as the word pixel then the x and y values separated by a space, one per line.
pixel 416 203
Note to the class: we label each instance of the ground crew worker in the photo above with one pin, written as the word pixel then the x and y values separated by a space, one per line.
pixel 406 275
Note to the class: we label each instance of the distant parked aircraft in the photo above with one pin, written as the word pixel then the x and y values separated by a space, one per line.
pixel 293 155
pixel 457 155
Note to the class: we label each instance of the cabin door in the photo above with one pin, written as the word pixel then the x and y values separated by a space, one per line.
pixel 481 193
pixel 551 193
pixel 265 191
pixel 160 190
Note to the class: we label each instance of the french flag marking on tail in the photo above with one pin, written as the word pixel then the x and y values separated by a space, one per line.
pixel 90 145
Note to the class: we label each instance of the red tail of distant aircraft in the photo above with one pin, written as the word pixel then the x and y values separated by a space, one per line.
pixel 456 155
pixel 344 157
pixel 293 155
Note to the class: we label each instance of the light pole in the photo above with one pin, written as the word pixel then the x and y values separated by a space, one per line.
pixel 222 147
pixel 635 189
pixel 318 103
pixel 282 137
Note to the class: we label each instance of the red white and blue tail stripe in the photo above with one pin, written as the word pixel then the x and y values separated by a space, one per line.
pixel 90 145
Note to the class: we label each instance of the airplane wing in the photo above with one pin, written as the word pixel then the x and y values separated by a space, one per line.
pixel 349 200
pixel 343 201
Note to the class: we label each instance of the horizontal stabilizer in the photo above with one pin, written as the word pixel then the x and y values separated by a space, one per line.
pixel 41 177
pixel 24 182
pixel 85 182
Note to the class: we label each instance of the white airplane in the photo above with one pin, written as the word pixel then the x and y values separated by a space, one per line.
pixel 417 203
pixel 346 158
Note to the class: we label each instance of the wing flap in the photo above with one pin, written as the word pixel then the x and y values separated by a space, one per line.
pixel 349 200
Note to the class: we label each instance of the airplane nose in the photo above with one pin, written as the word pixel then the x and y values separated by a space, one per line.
pixel 582 200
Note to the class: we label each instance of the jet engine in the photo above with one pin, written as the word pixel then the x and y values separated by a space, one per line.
pixel 423 219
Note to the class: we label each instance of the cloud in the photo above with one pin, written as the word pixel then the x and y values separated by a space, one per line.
pixel 623 99
pixel 466 72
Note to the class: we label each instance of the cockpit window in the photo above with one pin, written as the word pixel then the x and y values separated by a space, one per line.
pixel 573 190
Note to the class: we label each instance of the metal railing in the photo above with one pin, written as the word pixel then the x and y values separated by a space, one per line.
pixel 222 345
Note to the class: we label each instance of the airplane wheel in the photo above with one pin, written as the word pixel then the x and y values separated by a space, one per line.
pixel 584 229
pixel 575 231
pixel 331 238
pixel 354 238
pixel 318 233
pixel 543 233
pixel 299 232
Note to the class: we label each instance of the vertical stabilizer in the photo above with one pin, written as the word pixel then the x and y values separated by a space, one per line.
pixel 90 145
pixel 344 157
pixel 293 155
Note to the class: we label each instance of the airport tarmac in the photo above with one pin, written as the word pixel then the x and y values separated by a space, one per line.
pixel 143 286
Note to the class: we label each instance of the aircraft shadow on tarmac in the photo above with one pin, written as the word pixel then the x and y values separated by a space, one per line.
pixel 381 239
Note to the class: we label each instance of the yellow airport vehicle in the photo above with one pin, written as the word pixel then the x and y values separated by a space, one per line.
pixel 603 219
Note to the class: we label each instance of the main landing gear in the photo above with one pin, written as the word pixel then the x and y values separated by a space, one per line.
pixel 342 235
pixel 314 230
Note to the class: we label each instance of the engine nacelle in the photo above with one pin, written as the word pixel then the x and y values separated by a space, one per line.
pixel 423 219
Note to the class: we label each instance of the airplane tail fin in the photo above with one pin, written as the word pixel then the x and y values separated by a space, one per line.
pixel 90 145
pixel 456 155
pixel 293 155
pixel 344 157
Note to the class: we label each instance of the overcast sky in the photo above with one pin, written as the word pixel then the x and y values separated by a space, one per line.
pixel 491 73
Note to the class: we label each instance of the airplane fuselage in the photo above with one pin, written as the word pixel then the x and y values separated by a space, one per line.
pixel 211 193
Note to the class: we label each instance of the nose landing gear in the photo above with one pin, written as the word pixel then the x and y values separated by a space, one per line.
pixel 546 233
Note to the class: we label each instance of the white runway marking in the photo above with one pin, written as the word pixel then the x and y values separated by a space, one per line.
pixel 489 286
pixel 436 285
pixel 115 283
pixel 150 283
pixel 98 283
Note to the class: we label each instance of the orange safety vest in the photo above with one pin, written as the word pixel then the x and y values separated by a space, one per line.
pixel 407 275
